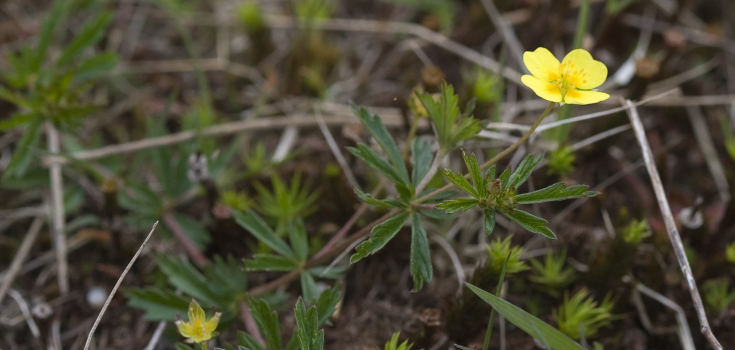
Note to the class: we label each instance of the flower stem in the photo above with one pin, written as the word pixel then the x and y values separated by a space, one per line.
pixel 498 156
pixel 204 345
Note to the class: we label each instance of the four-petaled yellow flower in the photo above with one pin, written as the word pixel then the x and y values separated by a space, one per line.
pixel 198 329
pixel 572 81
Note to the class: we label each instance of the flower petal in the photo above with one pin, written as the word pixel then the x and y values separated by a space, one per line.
pixel 547 91
pixel 595 71
pixel 578 97
pixel 542 64
pixel 195 312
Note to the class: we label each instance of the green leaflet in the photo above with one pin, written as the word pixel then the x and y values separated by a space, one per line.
pixel 555 192
pixel 531 222
pixel 421 268
pixel 380 236
pixel 270 262
pixel 455 205
pixel 527 322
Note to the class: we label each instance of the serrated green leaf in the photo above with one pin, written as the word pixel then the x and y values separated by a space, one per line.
pixel 309 289
pixel 556 192
pixel 505 178
pixel 531 222
pixel 524 170
pixel 379 237
pixel 422 159
pixel 378 130
pixel 421 268
pixel 307 325
pixel 182 275
pixel 474 168
pixel 527 322
pixel 442 113
pixel 460 181
pixel 253 223
pixel 90 33
pixel 437 214
pixel 327 302
pixel 459 204
pixel 22 157
pixel 489 221
pixel 159 305
pixel 270 262
pixel 267 320
pixel 248 342
pixel 299 240
pixel 374 161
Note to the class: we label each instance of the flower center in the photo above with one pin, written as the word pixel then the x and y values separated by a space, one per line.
pixel 569 78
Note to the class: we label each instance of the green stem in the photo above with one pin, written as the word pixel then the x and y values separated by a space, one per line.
pixel 497 157
pixel 204 345
pixel 584 14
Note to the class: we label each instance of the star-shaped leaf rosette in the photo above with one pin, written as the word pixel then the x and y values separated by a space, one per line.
pixel 499 194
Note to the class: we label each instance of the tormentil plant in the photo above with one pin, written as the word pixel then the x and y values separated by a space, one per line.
pixel 199 329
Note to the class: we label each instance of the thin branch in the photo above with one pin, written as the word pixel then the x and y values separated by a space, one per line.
pixel 509 36
pixel 670 224
pixel 701 133
pixel 685 335
pixel 57 199
pixel 20 256
pixel 176 229
pixel 117 285
pixel 217 130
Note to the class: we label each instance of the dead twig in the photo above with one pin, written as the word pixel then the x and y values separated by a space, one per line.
pixel 685 335
pixel 670 223
pixel 117 285
pixel 20 256
pixel 57 200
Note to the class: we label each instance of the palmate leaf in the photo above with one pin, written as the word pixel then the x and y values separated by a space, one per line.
pixel 421 268
pixel 442 113
pixel 531 222
pixel 380 236
pixel 555 192
pixel 309 289
pixel 298 239
pixel 459 204
pixel 378 130
pixel 527 322
pixel 460 181
pixel 327 302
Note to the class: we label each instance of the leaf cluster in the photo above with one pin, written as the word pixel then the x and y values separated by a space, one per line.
pixel 52 89
pixel 219 284
pixel 583 310
pixel 551 273
pixel 500 195
pixel 450 126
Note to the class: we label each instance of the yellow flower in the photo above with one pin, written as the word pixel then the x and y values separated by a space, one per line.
pixel 198 329
pixel 572 81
